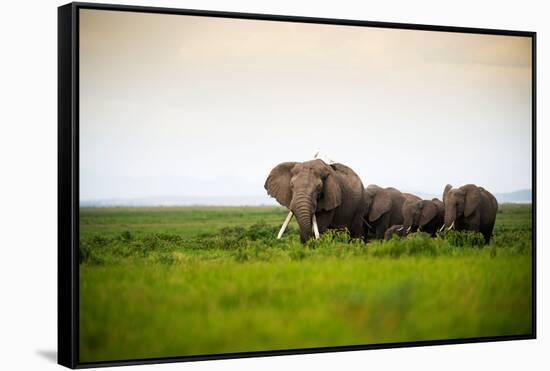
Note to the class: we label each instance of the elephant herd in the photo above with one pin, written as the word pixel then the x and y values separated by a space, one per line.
pixel 331 196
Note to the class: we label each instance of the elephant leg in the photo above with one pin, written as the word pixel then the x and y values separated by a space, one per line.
pixel 324 219
pixel 380 230
pixel 431 228
pixel 490 231
pixel 382 226
pixel 487 236
pixel 356 230
pixel 366 230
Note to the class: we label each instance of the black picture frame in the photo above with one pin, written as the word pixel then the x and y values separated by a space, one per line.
pixel 68 180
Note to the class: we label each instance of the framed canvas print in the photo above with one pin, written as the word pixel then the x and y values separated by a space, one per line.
pixel 236 185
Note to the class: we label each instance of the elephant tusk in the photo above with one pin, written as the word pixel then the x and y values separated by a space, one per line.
pixel 367 223
pixel 442 228
pixel 315 227
pixel 409 229
pixel 285 224
pixel 400 229
pixel 451 227
pixel 419 228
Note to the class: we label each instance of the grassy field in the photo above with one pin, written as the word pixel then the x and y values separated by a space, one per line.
pixel 160 282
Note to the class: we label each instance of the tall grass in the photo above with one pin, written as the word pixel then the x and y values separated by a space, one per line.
pixel 152 285
pixel 257 242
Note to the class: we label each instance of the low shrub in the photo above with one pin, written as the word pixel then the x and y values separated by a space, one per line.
pixel 258 243
pixel 463 238
pixel 166 258
pixel 415 244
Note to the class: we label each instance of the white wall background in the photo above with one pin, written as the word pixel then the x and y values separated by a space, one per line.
pixel 28 161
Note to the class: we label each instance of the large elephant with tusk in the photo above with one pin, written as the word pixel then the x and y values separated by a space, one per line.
pixel 470 208
pixel 321 196
pixel 423 215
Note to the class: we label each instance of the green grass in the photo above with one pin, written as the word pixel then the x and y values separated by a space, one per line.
pixel 162 282
pixel 183 221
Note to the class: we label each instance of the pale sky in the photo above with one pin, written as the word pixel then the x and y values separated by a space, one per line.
pixel 192 106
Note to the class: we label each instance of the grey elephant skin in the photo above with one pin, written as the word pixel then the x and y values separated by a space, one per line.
pixel 470 208
pixel 395 230
pixel 423 215
pixel 383 209
pixel 333 193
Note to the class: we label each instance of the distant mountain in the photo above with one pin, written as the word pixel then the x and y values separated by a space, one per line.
pixel 521 196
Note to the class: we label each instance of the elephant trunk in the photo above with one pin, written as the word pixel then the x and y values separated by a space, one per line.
pixel 302 207
pixel 450 217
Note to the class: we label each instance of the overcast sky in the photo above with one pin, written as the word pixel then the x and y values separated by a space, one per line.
pixel 195 106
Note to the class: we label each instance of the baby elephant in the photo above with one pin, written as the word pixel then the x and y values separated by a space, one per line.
pixel 397 230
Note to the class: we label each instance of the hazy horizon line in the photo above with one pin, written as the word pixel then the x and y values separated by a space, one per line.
pixel 518 196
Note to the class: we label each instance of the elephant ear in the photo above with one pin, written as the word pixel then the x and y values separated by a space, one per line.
pixel 473 198
pixel 429 211
pixel 277 183
pixel 439 205
pixel 332 194
pixel 380 205
pixel 408 212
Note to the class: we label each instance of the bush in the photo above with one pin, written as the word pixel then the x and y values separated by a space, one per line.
pixel 463 238
pixel 166 258
pixel 415 244
pixel 258 243
pixel 260 231
pixel 87 253
pixel 126 236
pixel 257 252
pixel 297 253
